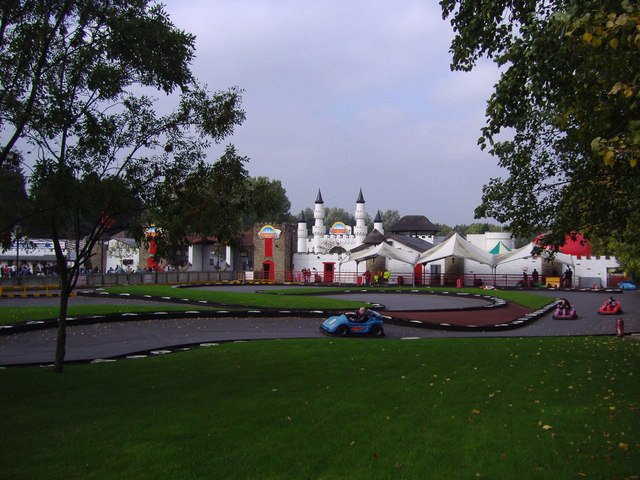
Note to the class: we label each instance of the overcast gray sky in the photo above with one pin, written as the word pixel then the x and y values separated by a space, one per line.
pixel 349 94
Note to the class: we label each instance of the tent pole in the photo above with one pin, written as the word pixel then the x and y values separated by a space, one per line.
pixel 356 279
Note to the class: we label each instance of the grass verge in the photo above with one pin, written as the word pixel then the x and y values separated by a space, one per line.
pixel 238 299
pixel 520 297
pixel 11 315
pixel 342 408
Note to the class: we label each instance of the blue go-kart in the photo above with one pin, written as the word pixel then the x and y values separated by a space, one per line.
pixel 346 324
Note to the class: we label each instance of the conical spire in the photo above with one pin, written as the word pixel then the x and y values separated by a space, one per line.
pixel 360 197
pixel 319 197
pixel 378 218
pixel 301 218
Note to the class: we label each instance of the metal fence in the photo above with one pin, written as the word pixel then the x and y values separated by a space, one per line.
pixel 295 276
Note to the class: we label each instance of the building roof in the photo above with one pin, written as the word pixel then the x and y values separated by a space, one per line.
pixel 414 243
pixel 360 197
pixel 414 224
pixel 374 238
pixel 319 197
pixel 378 218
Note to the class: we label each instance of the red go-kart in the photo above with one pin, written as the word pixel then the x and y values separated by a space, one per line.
pixel 610 307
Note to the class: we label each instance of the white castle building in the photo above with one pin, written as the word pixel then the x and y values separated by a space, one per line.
pixel 323 253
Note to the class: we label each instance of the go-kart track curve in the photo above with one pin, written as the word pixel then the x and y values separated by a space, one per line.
pixel 132 338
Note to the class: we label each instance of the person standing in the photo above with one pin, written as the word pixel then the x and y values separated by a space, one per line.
pixel 535 277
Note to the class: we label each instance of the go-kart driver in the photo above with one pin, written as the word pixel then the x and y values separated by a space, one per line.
pixel 363 314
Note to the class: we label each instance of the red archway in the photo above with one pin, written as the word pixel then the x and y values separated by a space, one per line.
pixel 268 270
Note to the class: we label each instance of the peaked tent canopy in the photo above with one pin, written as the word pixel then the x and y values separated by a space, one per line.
pixel 456 246
pixel 381 250
pixel 525 252
pixel 499 248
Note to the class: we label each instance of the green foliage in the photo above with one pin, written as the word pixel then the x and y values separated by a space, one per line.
pixel 478 228
pixel 207 202
pixel 13 200
pixel 567 100
pixel 443 229
pixel 269 202
pixel 336 214
pixel 389 217
pixel 68 70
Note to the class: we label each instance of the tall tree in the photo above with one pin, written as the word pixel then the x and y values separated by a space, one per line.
pixel 389 217
pixel 67 70
pixel 269 201
pixel 567 104
pixel 13 200
pixel 210 201
pixel 337 214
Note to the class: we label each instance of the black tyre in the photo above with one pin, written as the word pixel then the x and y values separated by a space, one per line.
pixel 377 331
pixel 342 330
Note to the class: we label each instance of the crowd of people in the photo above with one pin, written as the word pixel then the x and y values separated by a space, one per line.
pixel 12 270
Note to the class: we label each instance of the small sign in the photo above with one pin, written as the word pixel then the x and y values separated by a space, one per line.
pixel 248 276
pixel 269 231
pixel 339 228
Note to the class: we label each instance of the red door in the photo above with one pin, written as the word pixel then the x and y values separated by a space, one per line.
pixel 268 270
pixel 417 274
pixel 328 272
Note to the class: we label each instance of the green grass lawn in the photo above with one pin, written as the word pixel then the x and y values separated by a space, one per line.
pixel 527 299
pixel 333 409
pixel 295 298
pixel 239 299
pixel 11 315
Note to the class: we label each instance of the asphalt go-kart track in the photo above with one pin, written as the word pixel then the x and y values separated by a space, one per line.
pixel 412 315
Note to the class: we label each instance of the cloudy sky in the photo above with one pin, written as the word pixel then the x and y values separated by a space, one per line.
pixel 342 95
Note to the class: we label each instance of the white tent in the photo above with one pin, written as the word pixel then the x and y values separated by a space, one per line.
pixel 457 247
pixel 525 252
pixel 381 250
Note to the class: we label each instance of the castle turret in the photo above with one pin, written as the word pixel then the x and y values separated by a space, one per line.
pixel 303 234
pixel 360 230
pixel 319 230
pixel 377 223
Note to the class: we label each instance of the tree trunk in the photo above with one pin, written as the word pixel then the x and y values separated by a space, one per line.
pixel 61 339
